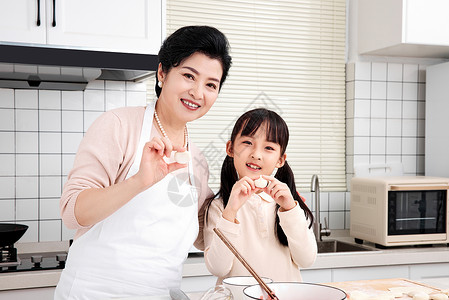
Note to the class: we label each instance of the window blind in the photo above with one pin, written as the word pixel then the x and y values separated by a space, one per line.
pixel 288 56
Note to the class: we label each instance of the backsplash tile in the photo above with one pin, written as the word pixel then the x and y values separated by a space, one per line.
pixel 392 110
pixel 40 131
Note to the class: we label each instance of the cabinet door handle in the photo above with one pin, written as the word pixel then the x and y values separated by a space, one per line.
pixel 38 22
pixel 54 14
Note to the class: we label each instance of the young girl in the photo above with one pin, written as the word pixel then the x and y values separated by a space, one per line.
pixel 269 226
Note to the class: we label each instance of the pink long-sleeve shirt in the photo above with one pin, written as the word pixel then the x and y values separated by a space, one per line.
pixel 105 156
pixel 254 237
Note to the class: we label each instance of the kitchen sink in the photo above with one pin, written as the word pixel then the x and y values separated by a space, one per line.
pixel 334 246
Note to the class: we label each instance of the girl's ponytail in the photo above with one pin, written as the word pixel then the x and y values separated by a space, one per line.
pixel 285 174
pixel 228 177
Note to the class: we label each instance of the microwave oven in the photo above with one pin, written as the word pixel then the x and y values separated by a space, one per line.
pixel 399 210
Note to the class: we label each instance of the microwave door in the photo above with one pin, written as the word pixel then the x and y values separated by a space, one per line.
pixel 417 212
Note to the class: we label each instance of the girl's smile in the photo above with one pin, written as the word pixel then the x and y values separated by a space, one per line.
pixel 255 155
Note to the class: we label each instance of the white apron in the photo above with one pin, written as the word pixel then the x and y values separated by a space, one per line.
pixel 139 249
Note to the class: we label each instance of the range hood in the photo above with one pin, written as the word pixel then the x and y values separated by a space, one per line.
pixel 30 67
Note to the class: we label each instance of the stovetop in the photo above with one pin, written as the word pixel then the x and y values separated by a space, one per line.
pixel 35 262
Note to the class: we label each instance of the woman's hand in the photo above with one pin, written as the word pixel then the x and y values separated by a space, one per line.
pixel 152 167
pixel 280 192
pixel 240 193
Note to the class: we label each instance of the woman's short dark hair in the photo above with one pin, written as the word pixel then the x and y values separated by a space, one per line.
pixel 191 39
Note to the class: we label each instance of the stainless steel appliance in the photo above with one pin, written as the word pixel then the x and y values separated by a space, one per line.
pixel 399 210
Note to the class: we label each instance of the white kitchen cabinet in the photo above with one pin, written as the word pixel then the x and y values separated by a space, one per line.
pixel 18 21
pixel 437 121
pixel 413 28
pixel 133 26
pixel 427 271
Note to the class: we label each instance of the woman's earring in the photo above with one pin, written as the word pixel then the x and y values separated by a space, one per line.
pixel 159 84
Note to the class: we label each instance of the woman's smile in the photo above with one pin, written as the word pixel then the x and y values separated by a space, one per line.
pixel 190 104
pixel 253 167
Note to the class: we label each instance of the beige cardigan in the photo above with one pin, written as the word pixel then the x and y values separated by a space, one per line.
pixel 254 237
pixel 105 156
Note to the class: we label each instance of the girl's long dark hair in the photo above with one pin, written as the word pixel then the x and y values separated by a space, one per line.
pixel 277 132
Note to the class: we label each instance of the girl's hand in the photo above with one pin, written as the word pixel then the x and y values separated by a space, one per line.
pixel 280 192
pixel 240 193
pixel 152 167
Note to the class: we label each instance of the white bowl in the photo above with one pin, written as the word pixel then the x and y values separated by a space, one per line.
pixel 237 283
pixel 296 291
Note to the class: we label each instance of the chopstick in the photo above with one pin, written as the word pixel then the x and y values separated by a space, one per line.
pixel 245 264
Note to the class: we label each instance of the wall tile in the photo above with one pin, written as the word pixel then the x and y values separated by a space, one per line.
pixel 72 121
pixel 27 142
pixel 26 120
pixel 135 98
pixel 409 163
pixel 6 98
pixel 409 128
pixel 394 145
pixel 410 73
pixel 394 72
pixel 7 188
pixel 377 145
pixel 361 127
pixel 115 99
pixel 394 90
pixel 49 120
pixel 136 86
pixel 7 165
pixel 50 186
pixel 49 99
pixel 409 146
pixel 50 142
pixel 94 100
pixel 421 91
pixel 378 90
pixel 26 209
pixel 27 187
pixel 410 110
pixel 72 100
pixel 337 201
pixel 96 85
pixel 378 127
pixel 421 128
pixel 7 144
pixel 420 165
pixel 362 71
pixel 422 73
pixel 49 208
pixel 7 119
pixel 421 110
pixel 394 109
pixel 410 91
pixel 362 90
pixel 7 209
pixel 378 108
pixel 394 127
pixel 49 164
pixel 115 85
pixel 361 145
pixel 26 99
pixel 362 108
pixel 49 230
pixel 379 71
pixel 420 146
pixel 70 142
pixel 27 164
pixel 336 220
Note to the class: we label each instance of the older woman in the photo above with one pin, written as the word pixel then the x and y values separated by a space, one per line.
pixel 133 203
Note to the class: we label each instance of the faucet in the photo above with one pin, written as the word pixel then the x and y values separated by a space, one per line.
pixel 317 230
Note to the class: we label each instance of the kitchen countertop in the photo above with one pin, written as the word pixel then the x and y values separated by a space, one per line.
pixel 194 265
